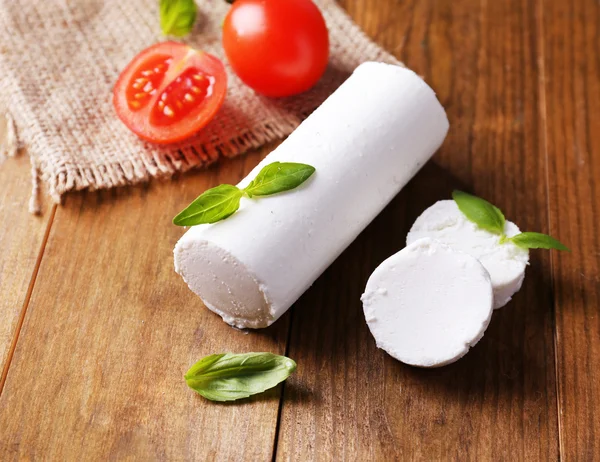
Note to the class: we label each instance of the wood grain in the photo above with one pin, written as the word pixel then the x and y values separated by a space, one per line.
pixel 571 50
pixel 109 333
pixel 350 401
pixel 110 328
pixel 21 242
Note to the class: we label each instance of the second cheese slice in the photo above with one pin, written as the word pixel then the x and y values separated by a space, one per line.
pixel 505 262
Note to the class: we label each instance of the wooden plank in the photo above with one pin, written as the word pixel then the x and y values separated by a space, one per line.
pixel 572 92
pixel 21 243
pixel 350 401
pixel 111 329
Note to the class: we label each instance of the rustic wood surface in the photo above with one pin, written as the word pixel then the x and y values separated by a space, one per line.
pixel 500 398
pixel 97 330
pixel 21 247
pixel 571 84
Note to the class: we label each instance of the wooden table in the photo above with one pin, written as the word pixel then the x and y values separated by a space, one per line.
pixel 97 330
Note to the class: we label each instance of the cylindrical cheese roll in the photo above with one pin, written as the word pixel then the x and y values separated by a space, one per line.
pixel 366 141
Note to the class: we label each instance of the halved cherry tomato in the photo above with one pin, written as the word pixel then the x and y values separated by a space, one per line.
pixel 169 91
pixel 277 47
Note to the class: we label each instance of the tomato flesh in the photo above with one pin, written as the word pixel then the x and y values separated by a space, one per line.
pixel 144 83
pixel 277 47
pixel 181 96
pixel 169 91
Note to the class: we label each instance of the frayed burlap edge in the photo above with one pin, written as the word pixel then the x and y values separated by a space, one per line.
pixel 9 143
pixel 158 165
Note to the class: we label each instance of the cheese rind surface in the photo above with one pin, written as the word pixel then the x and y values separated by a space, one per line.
pixel 505 262
pixel 428 304
pixel 366 141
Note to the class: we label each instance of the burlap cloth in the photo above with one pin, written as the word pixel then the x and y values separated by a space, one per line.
pixel 59 60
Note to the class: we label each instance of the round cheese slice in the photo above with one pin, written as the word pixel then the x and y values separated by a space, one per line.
pixel 505 262
pixel 428 304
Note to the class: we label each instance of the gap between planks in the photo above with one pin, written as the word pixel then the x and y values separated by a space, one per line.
pixel 15 339
pixel 286 352
pixel 544 141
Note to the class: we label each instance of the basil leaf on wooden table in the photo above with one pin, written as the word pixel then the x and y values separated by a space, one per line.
pixel 177 17
pixel 537 241
pixel 479 211
pixel 211 206
pixel 278 177
pixel 228 376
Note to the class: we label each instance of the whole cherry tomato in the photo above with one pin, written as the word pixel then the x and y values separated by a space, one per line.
pixel 277 47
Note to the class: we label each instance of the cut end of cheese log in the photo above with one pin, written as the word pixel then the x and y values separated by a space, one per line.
pixel 505 262
pixel 366 141
pixel 428 304
pixel 223 283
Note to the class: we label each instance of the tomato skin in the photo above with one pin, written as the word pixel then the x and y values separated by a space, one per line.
pixel 173 69
pixel 276 47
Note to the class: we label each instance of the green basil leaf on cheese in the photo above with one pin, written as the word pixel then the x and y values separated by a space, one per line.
pixel 228 376
pixel 537 241
pixel 481 212
pixel 278 177
pixel 213 205
pixel 177 17
pixel 221 202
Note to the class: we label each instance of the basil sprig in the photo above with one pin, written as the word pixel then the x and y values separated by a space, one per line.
pixel 228 376
pixel 177 17
pixel 220 202
pixel 489 217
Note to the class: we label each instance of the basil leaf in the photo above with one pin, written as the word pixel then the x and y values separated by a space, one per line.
pixel 480 212
pixel 218 203
pixel 278 177
pixel 177 17
pixel 537 241
pixel 228 376
pixel 211 206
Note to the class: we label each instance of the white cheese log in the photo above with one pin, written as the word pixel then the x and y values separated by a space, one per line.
pixel 428 304
pixel 366 141
pixel 505 262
